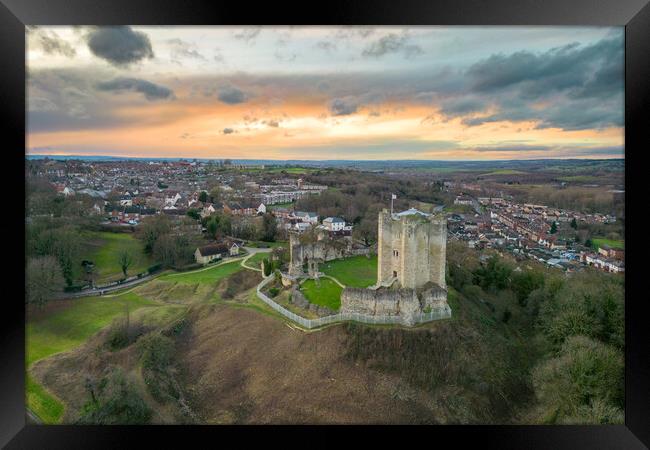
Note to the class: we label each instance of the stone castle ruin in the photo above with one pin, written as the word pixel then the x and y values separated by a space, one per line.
pixel 315 247
pixel 410 271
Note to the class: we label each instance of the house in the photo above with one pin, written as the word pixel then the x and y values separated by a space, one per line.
pixel 207 210
pixel 307 217
pixel 334 223
pixel 208 253
pixel 126 200
pixel 234 249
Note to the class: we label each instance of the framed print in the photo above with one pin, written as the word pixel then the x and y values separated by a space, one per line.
pixel 355 221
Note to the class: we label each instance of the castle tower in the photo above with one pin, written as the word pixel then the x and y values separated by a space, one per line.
pixel 412 249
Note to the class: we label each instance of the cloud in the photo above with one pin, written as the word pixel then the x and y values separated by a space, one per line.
pixel 150 90
pixel 248 34
pixel 328 46
pixel 272 123
pixel 182 49
pixel 231 95
pixel 120 46
pixel 343 106
pixel 51 44
pixel 228 131
pixel 392 43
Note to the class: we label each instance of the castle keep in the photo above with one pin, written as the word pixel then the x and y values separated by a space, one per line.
pixel 412 249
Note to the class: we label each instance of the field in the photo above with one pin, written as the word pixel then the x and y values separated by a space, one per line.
pixel 504 172
pixel 327 294
pixel 613 243
pixel 64 329
pixel 357 271
pixel 579 178
pixel 208 275
pixel 103 248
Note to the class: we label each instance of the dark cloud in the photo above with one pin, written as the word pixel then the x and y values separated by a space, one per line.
pixel 272 123
pixel 343 106
pixel 392 43
pixel 231 95
pixel 51 43
pixel 120 46
pixel 150 90
pixel 571 87
pixel 570 67
pixel 228 131
pixel 462 105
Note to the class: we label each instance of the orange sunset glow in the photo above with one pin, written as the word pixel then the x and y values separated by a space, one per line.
pixel 326 92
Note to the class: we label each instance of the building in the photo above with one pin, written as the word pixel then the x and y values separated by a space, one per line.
pixel 412 249
pixel 334 223
pixel 308 217
pixel 208 253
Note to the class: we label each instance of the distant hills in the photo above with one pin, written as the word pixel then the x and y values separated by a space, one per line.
pixel 370 164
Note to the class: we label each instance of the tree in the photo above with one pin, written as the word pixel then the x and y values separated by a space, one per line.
pixel 151 229
pixel 585 380
pixel 66 249
pixel 574 224
pixel 125 259
pixel 116 401
pixel 194 213
pixel 553 228
pixel 366 231
pixel 203 197
pixel 269 227
pixel 44 279
pixel 526 282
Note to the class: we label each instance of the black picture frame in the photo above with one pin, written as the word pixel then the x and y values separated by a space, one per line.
pixel 633 14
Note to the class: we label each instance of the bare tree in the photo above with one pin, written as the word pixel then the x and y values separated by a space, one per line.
pixel 125 259
pixel 44 279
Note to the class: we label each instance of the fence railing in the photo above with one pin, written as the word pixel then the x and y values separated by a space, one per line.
pixel 436 314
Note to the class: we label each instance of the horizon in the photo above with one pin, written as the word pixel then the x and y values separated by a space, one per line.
pixel 326 93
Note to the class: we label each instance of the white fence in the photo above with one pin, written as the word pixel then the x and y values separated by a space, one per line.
pixel 444 313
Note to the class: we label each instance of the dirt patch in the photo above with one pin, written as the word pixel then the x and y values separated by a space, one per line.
pixel 237 283
pixel 240 366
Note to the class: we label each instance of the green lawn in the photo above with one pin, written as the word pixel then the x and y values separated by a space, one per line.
pixel 103 248
pixel 256 260
pixel 613 243
pixel 62 331
pixel 357 271
pixel 327 294
pixel 210 275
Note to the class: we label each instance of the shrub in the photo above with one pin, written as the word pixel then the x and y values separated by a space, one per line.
pixel 584 381
pixel 114 401
pixel 154 268
pixel 274 291
pixel 156 351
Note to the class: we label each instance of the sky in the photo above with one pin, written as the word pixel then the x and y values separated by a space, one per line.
pixel 378 93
